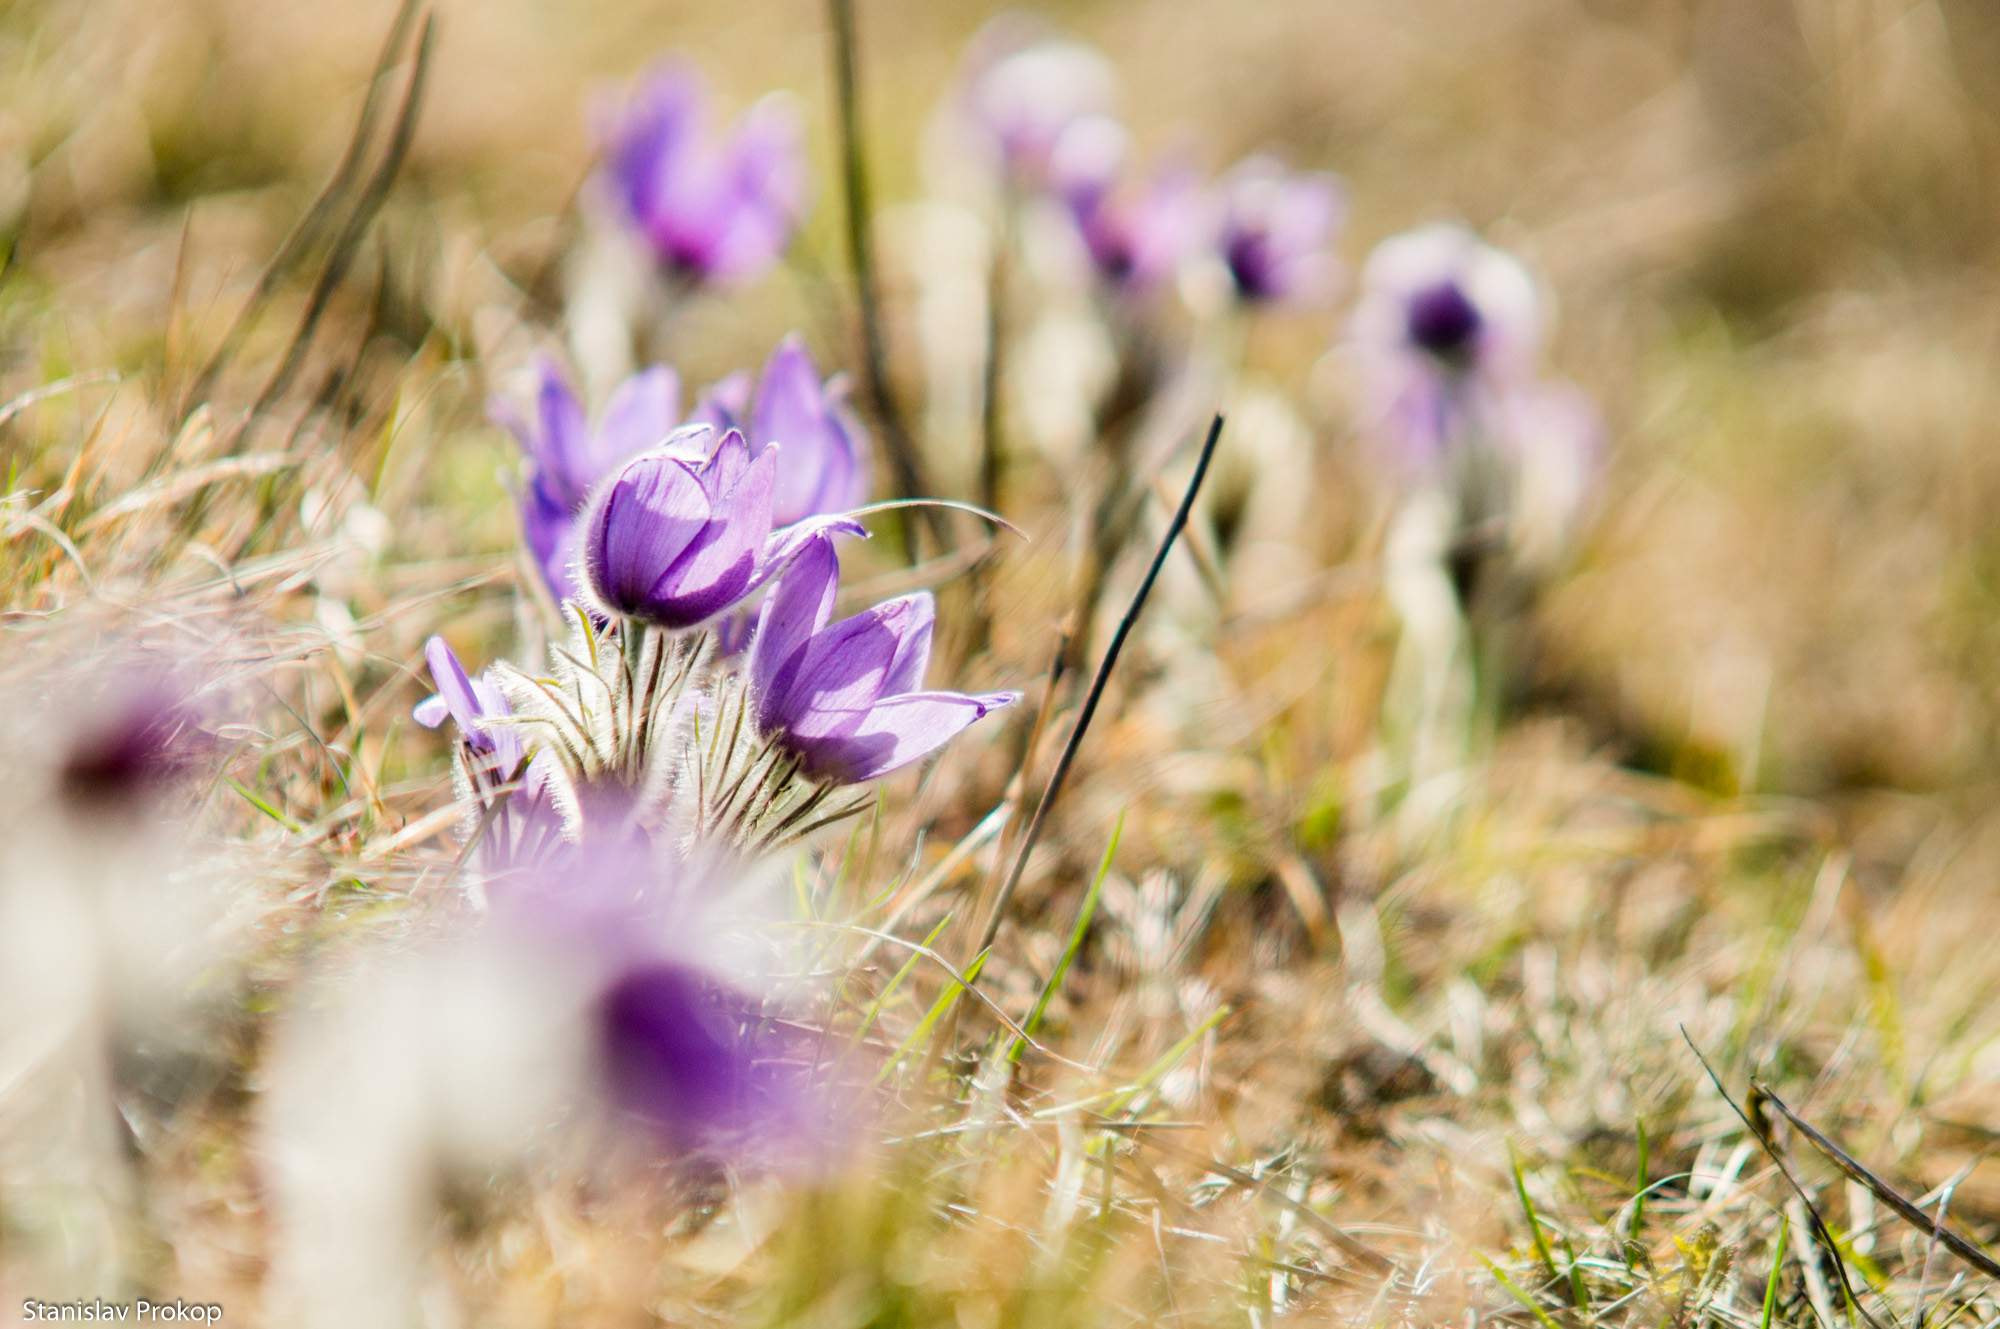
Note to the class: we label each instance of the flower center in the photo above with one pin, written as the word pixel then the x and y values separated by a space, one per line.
pixel 1442 320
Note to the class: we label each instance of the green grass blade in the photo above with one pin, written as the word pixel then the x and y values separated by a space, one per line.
pixel 1076 936
pixel 1534 1309
pixel 1542 1251
pixel 1168 1060
pixel 1639 1193
pixel 1777 1267
pixel 874 1010
pixel 262 804
pixel 947 999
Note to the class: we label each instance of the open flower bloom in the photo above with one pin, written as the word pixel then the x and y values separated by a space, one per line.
pixel 843 698
pixel 1276 228
pixel 1023 93
pixel 568 455
pixel 712 211
pixel 1444 326
pixel 824 469
pixel 1136 236
pixel 674 539
pixel 1441 293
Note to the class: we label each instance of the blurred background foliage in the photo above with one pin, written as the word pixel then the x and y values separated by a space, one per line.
pixel 1770 224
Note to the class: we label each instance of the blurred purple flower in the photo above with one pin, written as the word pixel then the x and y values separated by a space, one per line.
pixel 843 698
pixel 1137 236
pixel 140 735
pixel 696 1062
pixel 675 540
pixel 1276 228
pixel 568 455
pixel 711 211
pixel 1441 293
pixel 1024 90
pixel 825 463
pixel 684 1048
pixel 1445 326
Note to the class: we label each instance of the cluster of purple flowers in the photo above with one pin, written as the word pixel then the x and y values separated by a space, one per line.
pixel 824 468
pixel 1043 106
pixel 1448 329
pixel 710 704
pixel 648 754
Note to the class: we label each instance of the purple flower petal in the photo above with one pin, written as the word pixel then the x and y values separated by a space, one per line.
pixel 913 652
pixel 646 519
pixel 726 402
pixel 560 446
pixel 899 730
pixel 717 568
pixel 456 691
pixel 799 607
pixel 550 532
pixel 794 408
pixel 644 410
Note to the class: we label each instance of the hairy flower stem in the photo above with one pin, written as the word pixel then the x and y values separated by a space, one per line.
pixel 772 790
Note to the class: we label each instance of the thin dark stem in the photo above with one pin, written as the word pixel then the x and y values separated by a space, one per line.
pixel 1097 685
pixel 1761 1133
pixel 901 446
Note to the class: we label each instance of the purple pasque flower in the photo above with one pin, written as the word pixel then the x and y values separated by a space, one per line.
pixel 1136 235
pixel 825 464
pixel 492 754
pixel 472 704
pixel 843 698
pixel 710 209
pixel 675 538
pixel 1025 89
pixel 1276 229
pixel 568 454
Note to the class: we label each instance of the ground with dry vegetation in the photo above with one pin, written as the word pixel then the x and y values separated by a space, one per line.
pixel 1324 1053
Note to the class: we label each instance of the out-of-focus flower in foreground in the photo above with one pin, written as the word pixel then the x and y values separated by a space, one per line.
pixel 1276 230
pixel 140 736
pixel 663 941
pixel 569 454
pixel 824 469
pixel 710 209
pixel 843 698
